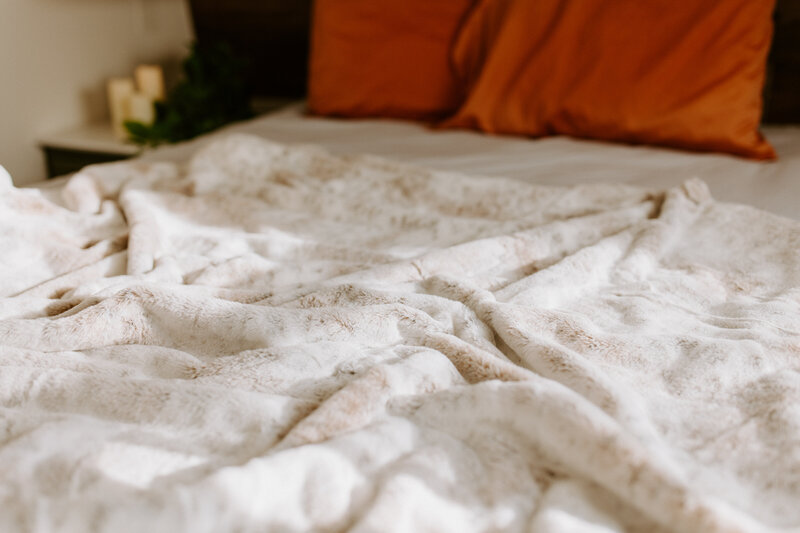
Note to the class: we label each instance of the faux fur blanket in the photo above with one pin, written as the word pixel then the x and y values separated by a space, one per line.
pixel 269 338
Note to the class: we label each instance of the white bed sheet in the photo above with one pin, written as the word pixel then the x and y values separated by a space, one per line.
pixel 773 186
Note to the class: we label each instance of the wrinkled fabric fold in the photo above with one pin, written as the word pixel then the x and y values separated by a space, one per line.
pixel 272 338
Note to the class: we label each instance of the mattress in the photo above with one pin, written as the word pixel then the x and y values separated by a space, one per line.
pixel 773 186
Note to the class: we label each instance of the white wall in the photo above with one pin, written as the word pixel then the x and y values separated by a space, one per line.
pixel 55 56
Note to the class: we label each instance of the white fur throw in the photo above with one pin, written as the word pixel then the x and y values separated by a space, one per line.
pixel 275 339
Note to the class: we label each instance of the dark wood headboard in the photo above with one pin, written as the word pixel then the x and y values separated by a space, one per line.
pixel 273 36
pixel 782 93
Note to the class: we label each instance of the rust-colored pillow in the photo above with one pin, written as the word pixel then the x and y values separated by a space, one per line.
pixel 680 73
pixel 388 58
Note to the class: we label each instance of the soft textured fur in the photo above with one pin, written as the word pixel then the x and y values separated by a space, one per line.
pixel 269 338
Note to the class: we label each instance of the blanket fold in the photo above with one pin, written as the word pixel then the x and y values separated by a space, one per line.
pixel 270 338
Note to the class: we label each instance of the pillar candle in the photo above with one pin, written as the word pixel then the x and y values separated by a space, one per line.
pixel 142 109
pixel 150 80
pixel 120 91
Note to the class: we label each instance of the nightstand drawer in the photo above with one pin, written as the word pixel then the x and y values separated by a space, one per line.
pixel 62 161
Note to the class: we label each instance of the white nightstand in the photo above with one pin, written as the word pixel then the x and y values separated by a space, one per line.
pixel 70 150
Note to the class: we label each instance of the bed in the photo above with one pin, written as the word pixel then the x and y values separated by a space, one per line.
pixel 314 324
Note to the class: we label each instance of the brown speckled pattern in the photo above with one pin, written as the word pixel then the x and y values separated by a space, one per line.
pixel 269 338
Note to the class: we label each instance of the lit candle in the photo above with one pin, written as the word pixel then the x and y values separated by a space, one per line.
pixel 120 91
pixel 150 79
pixel 141 109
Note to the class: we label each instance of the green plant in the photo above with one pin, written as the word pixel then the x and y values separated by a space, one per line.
pixel 211 94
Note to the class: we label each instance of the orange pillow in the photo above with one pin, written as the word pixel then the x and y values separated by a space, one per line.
pixel 681 73
pixel 387 58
